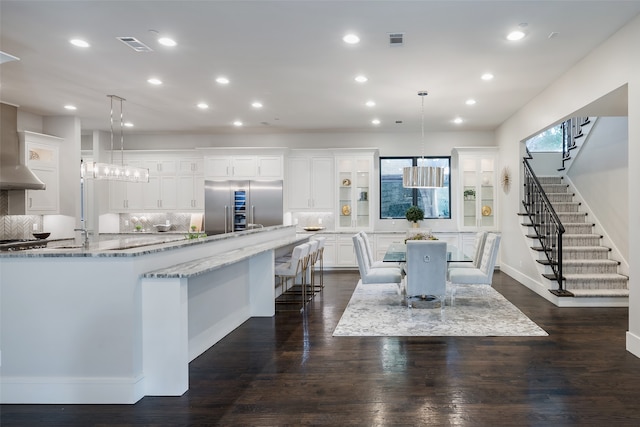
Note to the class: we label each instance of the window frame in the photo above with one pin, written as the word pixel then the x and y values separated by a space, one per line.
pixel 414 195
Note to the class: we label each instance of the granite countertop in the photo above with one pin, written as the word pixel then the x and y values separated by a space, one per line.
pixel 126 245
pixel 204 265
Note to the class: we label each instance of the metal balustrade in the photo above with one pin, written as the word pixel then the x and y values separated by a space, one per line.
pixel 547 225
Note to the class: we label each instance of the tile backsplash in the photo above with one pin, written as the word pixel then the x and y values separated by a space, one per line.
pixel 16 226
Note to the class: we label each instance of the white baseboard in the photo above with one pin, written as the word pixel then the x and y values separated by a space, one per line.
pixel 633 344
pixel 63 391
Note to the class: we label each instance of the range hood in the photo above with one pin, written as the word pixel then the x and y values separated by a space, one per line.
pixel 14 175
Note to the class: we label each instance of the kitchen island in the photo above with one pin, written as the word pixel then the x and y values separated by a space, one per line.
pixel 113 324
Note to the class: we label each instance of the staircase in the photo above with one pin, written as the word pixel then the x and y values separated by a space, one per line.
pixel 586 267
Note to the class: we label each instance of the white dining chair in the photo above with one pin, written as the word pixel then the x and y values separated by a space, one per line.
pixel 373 275
pixel 369 252
pixel 483 275
pixel 476 256
pixel 426 271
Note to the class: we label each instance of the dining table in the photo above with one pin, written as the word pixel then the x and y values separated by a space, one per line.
pixel 397 252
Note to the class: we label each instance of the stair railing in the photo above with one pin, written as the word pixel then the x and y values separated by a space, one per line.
pixel 546 224
pixel 571 131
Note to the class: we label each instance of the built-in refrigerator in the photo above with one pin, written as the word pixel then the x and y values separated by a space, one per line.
pixel 241 205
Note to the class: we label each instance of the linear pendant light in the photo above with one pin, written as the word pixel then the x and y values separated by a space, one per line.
pixel 112 171
pixel 422 176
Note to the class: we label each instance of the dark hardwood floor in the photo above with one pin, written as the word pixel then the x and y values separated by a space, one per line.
pixel 289 370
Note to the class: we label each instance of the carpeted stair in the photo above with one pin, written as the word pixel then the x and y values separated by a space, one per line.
pixel 587 269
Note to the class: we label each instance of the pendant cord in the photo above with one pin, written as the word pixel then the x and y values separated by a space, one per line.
pixel 111 115
pixel 121 134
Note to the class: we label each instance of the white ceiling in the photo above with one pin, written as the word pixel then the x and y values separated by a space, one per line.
pixel 290 56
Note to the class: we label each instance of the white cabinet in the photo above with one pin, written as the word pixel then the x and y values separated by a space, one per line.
pixel 160 167
pixel 269 167
pixel 160 193
pixel 190 185
pixel 127 196
pixel 41 154
pixel 244 167
pixel 329 253
pixel 477 204
pixel 345 252
pixel 354 175
pixel 310 183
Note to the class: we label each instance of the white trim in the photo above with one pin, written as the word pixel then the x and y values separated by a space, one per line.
pixel 79 390
pixel 633 344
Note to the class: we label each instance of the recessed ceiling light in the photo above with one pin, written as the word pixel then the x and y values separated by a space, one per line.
pixel 470 101
pixel 375 122
pixel 361 79
pixel 351 39
pixel 487 76
pixel 457 120
pixel 79 43
pixel 515 35
pixel 237 123
pixel 166 41
pixel 203 106
pixel 256 104
pixel 128 124
pixel 222 80
pixel 154 81
pixel 370 104
pixel 70 107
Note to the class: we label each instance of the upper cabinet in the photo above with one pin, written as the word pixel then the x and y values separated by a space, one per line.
pixel 243 167
pixel 41 154
pixel 354 181
pixel 310 182
pixel 190 184
pixel 477 188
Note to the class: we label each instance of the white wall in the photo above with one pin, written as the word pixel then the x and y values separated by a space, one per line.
pixel 611 66
pixel 599 173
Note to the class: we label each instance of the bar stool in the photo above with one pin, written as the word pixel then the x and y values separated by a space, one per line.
pixel 291 270
pixel 320 260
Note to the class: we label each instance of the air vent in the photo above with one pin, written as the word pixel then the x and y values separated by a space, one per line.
pixel 396 39
pixel 135 44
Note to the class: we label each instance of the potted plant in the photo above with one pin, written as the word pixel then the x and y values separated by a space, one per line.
pixel 469 194
pixel 414 214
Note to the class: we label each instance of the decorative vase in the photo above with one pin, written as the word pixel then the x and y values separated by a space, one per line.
pixel 415 224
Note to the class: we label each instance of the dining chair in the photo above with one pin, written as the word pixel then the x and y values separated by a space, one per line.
pixel 373 275
pixel 483 275
pixel 426 271
pixel 476 257
pixel 369 252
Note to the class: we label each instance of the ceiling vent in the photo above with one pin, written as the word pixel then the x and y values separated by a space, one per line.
pixel 135 44
pixel 396 39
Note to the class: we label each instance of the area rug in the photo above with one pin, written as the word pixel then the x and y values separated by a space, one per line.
pixel 376 310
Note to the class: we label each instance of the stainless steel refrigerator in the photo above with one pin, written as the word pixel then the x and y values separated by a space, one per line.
pixel 241 205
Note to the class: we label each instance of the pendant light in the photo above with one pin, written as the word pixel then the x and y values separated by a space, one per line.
pixel 112 171
pixel 422 176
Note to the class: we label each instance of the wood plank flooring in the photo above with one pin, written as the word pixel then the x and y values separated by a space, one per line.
pixel 289 371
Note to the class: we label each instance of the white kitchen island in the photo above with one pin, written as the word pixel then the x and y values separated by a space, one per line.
pixel 113 325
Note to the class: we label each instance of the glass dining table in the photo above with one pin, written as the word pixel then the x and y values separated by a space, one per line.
pixel 397 252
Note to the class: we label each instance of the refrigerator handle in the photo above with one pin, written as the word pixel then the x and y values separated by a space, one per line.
pixel 226 219
pixel 253 214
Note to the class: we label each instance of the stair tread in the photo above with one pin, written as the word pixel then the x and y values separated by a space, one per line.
pixel 595 276
pixel 600 293
pixel 589 262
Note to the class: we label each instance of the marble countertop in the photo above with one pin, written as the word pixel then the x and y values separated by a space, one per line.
pixel 204 265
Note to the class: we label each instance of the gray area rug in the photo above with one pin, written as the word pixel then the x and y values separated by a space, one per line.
pixel 479 310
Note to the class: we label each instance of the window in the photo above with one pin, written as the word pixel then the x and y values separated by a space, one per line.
pixel 395 199
pixel 549 140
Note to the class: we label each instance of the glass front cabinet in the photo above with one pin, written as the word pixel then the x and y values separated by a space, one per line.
pixel 477 204
pixel 354 185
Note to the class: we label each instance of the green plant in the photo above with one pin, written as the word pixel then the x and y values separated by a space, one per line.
pixel 138 227
pixel 414 214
